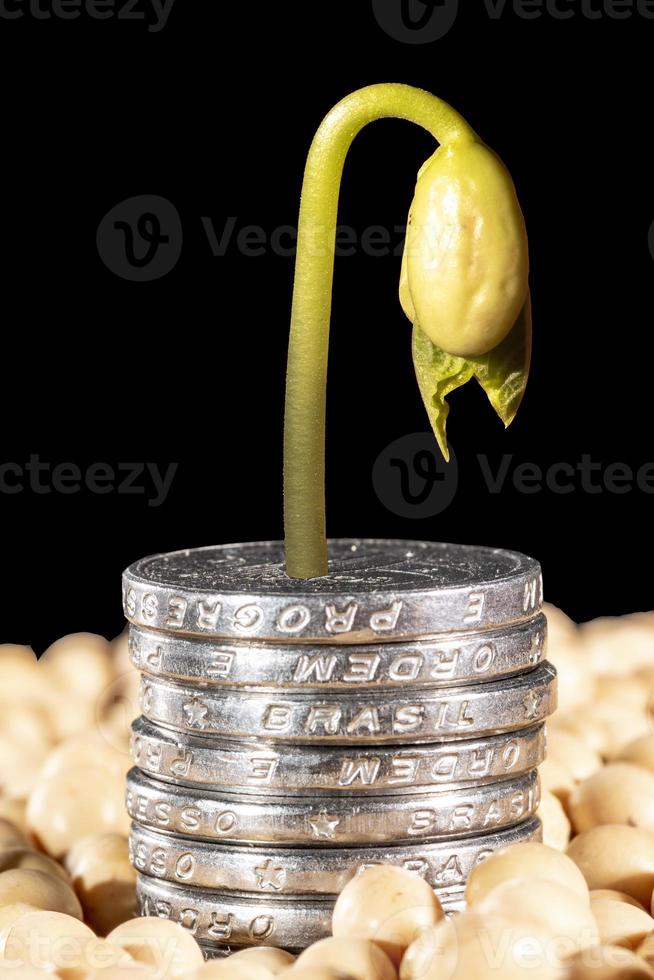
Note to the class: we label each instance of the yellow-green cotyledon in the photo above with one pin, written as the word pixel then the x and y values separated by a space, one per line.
pixel 466 260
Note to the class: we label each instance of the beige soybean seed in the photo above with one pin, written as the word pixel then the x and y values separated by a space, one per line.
pixel 22 972
pixel 160 943
pixel 28 726
pixel 616 857
pixel 359 958
pixel 585 725
pixel 80 663
pixel 12 811
pixel 621 723
pixel 621 924
pixel 575 685
pixel 47 940
pixel 20 672
pixel 622 690
pixel 77 671
pixel 556 826
pixel 473 946
pixel 639 752
pixel 528 860
pixel 87 749
pixel 646 950
pixel 39 889
pixel 9 913
pixel 387 905
pixel 616 645
pixel 11 835
pixel 20 769
pixel 75 803
pixel 620 793
pixel 115 724
pixel 556 779
pixel 104 880
pixel 266 957
pixel 93 954
pixel 227 969
pixel 317 973
pixel 607 963
pixel 547 905
pixel 616 896
pixel 560 627
pixel 571 751
pixel 26 857
pixel 135 971
pixel 16 653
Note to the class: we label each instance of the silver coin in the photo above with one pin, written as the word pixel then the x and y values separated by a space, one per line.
pixel 452 902
pixel 330 820
pixel 370 717
pixel 262 768
pixel 215 951
pixel 242 920
pixel 309 871
pixel 376 591
pixel 219 951
pixel 455 659
pixel 218 918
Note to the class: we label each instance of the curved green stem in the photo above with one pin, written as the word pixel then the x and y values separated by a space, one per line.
pixel 304 429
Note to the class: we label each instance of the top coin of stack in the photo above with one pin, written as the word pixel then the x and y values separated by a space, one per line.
pixel 397 703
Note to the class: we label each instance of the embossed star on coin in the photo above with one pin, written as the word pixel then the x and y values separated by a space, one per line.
pixel 196 712
pixel 324 825
pixel 270 875
pixel 532 704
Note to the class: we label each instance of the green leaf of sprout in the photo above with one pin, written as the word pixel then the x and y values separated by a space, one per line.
pixel 502 373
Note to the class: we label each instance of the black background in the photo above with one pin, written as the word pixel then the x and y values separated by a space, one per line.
pixel 215 113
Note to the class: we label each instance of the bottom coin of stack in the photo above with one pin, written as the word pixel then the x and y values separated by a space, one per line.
pixel 204 857
pixel 189 881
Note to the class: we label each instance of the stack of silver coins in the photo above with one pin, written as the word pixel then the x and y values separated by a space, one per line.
pixel 294 732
